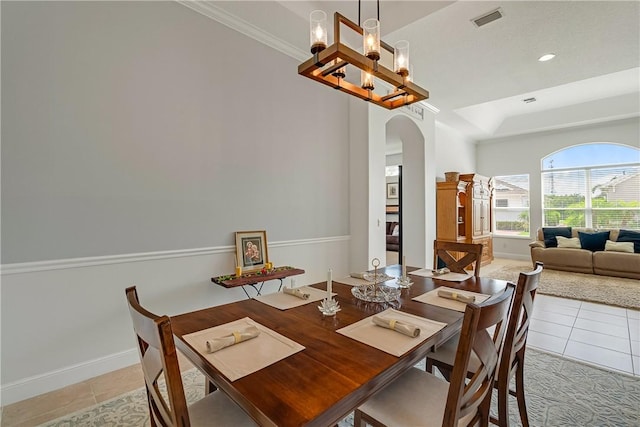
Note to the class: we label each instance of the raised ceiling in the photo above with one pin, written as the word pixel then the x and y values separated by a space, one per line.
pixel 478 77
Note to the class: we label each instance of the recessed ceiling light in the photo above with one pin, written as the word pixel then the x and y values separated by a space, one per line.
pixel 547 57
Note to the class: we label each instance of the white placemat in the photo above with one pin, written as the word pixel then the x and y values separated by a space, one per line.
pixel 388 340
pixel 451 277
pixel 432 298
pixel 283 301
pixel 245 357
pixel 354 281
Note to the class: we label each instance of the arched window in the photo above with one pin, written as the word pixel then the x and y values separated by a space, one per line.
pixel 592 185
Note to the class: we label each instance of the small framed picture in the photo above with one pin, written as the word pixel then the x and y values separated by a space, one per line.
pixel 251 249
pixel 392 190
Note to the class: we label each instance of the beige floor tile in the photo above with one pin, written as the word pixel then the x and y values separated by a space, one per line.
pixel 546 342
pixel 48 406
pixel 600 356
pixel 112 384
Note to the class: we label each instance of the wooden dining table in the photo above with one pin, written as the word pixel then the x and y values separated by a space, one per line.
pixel 334 374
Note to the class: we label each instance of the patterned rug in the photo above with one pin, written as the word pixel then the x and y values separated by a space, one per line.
pixel 560 392
pixel 608 290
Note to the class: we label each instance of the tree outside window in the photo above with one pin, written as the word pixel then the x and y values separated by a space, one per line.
pixel 592 185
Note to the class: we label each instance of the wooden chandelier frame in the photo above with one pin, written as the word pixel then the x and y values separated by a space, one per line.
pixel 323 64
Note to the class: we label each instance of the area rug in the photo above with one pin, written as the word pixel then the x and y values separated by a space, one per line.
pixel 559 391
pixel 608 290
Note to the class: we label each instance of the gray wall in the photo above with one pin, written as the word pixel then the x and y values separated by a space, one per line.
pixel 135 127
pixel 144 126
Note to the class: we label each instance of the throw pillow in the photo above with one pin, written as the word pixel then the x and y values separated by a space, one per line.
pixel 593 241
pixel 564 242
pixel 630 236
pixel 619 246
pixel 550 234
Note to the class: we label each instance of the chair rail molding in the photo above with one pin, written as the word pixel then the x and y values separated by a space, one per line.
pixel 61 264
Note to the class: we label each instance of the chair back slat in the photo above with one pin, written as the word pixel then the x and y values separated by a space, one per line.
pixel 449 253
pixel 519 319
pixel 474 396
pixel 159 359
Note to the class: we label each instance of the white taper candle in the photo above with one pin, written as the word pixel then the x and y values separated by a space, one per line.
pixel 404 267
pixel 329 284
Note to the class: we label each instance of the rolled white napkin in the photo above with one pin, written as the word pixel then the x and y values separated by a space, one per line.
pixel 440 271
pixel 296 292
pixel 456 296
pixel 397 325
pixel 245 334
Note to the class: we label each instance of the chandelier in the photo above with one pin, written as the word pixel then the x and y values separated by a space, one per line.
pixel 328 65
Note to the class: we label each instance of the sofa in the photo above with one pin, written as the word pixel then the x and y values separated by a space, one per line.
pixel 563 248
pixel 393 240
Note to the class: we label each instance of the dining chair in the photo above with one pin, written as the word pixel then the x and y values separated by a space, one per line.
pixel 449 254
pixel 512 357
pixel 419 398
pixel 158 358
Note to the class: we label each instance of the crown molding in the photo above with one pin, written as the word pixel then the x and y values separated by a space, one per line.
pixel 236 23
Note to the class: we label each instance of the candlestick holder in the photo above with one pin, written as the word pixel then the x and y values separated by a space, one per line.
pixel 329 307
pixel 404 282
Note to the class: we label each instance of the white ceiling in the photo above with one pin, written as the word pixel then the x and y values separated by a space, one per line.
pixel 478 77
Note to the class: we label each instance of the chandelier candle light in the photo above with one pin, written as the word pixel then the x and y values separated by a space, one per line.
pixel 371 39
pixel 318 31
pixel 328 63
pixel 401 58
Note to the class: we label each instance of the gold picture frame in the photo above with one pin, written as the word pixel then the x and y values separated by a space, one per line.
pixel 251 249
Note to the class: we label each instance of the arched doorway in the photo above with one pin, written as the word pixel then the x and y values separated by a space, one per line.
pixel 402 132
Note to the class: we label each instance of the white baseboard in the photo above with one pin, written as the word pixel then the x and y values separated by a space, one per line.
pixel 39 384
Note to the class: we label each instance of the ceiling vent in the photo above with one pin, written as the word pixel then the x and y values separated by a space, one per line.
pixel 488 17
pixel 529 100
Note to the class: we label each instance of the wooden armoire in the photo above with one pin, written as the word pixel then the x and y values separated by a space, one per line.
pixel 464 212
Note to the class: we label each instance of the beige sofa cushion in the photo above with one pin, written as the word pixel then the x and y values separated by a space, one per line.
pixel 617 264
pixel 578 260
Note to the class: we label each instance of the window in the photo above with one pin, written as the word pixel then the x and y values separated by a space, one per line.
pixel 592 185
pixel 392 170
pixel 511 210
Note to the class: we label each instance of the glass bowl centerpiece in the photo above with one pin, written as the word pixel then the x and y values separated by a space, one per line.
pixel 376 290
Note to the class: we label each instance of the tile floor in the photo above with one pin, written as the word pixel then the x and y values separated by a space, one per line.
pixel 594 333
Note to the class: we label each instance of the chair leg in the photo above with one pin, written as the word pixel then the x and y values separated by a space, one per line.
pixel 485 411
pixel 503 403
pixel 429 366
pixel 522 405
